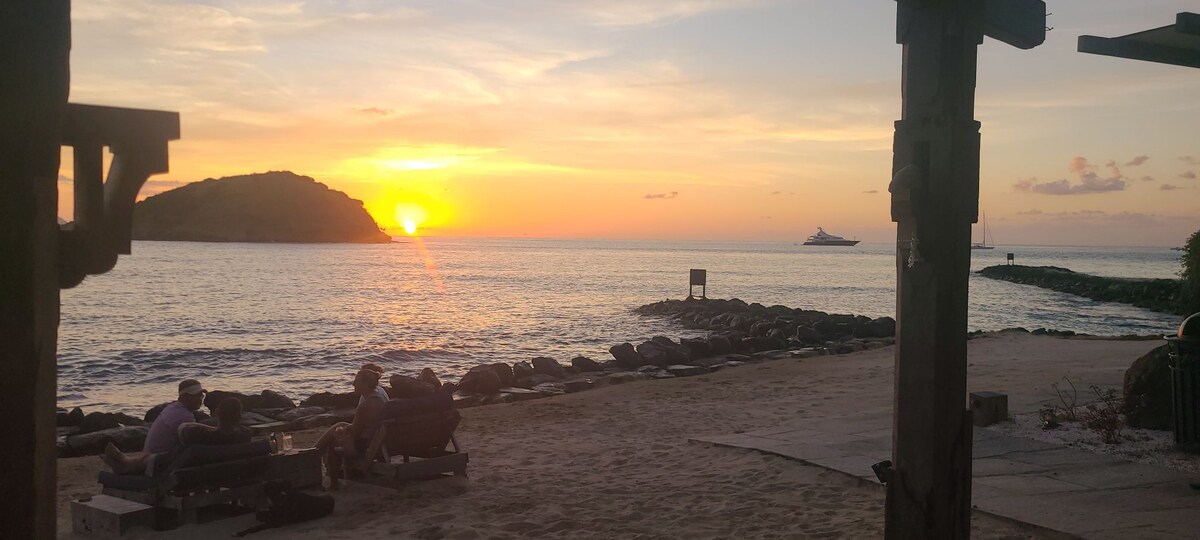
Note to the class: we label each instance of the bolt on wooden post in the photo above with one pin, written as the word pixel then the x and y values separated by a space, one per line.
pixel 935 199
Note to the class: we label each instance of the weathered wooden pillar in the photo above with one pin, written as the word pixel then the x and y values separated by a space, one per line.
pixel 935 199
pixel 34 81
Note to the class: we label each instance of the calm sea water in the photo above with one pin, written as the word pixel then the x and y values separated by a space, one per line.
pixel 301 318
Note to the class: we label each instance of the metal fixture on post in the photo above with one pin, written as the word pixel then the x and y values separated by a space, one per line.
pixel 697 277
pixel 1184 353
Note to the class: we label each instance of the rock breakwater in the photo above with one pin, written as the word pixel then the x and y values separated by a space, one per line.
pixel 1162 295
pixel 738 333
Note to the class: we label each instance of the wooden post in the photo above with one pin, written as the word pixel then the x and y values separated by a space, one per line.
pixel 935 199
pixel 34 80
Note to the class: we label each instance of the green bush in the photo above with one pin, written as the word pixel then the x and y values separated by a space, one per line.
pixel 1191 274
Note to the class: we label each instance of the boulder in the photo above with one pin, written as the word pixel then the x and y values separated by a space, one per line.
pixel 676 352
pixel 764 344
pixel 505 372
pixel 428 376
pixel 69 419
pixel 253 418
pixel 99 421
pixel 551 388
pixel 480 380
pixel 407 387
pixel 686 371
pixel 290 415
pixel 215 397
pixel 653 353
pixel 522 370
pixel 720 344
pixel 876 328
pixel 577 385
pixel 275 400
pixel 1148 391
pixel 330 400
pixel 585 365
pixel 127 439
pixel 626 356
pixel 697 347
pixel 449 387
pixel 622 377
pixel 548 366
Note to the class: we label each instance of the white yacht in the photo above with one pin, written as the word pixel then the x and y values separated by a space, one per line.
pixel 823 238
pixel 987 242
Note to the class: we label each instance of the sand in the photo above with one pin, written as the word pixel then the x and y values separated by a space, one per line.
pixel 615 462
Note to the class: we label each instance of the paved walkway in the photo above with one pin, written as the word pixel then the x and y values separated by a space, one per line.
pixel 1064 489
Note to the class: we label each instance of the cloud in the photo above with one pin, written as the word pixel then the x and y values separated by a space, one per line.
pixel 1030 212
pixel 1089 181
pixel 776 193
pixel 1169 187
pixel 871 191
pixel 1190 160
pixel 1190 175
pixel 375 111
pixel 671 195
pixel 1147 178
pixel 1137 161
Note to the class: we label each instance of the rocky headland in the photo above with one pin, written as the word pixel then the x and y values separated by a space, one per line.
pixel 1163 295
pixel 737 333
pixel 277 206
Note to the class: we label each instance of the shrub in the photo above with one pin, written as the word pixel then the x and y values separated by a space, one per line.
pixel 1191 274
pixel 1104 415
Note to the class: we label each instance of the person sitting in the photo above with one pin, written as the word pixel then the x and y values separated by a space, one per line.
pixel 163 439
pixel 351 439
pixel 229 429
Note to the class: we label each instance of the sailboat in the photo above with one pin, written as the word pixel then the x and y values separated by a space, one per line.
pixel 987 242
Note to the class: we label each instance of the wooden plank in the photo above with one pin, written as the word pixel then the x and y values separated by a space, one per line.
pixel 1020 23
pixel 1139 50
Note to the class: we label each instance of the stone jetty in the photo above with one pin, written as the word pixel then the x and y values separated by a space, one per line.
pixel 1163 295
pixel 737 333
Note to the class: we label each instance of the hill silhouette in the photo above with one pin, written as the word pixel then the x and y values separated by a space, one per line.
pixel 276 206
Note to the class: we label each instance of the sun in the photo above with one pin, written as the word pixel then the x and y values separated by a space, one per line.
pixel 410 217
pixel 409 226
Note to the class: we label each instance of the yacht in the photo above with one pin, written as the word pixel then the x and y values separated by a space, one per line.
pixel 987 242
pixel 823 238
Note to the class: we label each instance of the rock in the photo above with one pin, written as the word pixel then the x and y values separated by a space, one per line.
pixel 253 418
pixel 686 371
pixel 648 369
pixel 585 364
pixel 449 387
pixel 215 397
pixel 69 419
pixel 764 344
pixel 577 385
pixel 626 356
pixel 548 366
pixel 429 377
pixel 462 401
pixel 480 380
pixel 697 347
pixel 720 344
pixel 676 353
pixel 291 415
pixel 99 421
pixel 407 387
pixel 514 394
pixel 1148 391
pixel 318 420
pixel 505 372
pixel 522 370
pixel 127 439
pixel 733 363
pixel 551 388
pixel 653 353
pixel 330 400
pixel 877 328
pixel 275 400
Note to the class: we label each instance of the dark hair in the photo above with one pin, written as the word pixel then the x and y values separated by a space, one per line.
pixel 373 367
pixel 229 411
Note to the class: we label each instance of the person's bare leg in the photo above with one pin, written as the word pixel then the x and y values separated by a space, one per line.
pixel 331 435
pixel 122 463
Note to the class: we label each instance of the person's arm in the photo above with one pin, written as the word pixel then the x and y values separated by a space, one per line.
pixel 365 415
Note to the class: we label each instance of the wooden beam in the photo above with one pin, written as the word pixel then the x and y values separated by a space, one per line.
pixel 1020 23
pixel 1139 50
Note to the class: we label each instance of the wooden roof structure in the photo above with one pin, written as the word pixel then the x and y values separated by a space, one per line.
pixel 1177 44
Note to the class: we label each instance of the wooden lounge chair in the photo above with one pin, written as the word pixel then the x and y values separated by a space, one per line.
pixel 202 476
pixel 414 441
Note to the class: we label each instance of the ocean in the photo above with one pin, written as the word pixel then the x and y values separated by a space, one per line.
pixel 301 318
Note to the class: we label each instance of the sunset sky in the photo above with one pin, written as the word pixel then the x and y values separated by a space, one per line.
pixel 671 119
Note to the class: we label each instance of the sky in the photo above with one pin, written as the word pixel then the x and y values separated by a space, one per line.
pixel 752 120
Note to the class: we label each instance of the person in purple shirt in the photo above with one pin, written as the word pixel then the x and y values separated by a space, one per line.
pixel 163 438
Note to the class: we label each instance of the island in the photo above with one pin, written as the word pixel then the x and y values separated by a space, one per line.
pixel 276 206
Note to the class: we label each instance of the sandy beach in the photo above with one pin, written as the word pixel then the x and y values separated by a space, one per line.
pixel 615 462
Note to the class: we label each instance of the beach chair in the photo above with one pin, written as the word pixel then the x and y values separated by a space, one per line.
pixel 203 475
pixel 414 441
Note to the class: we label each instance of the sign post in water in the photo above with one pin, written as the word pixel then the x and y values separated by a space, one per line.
pixel 698 277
